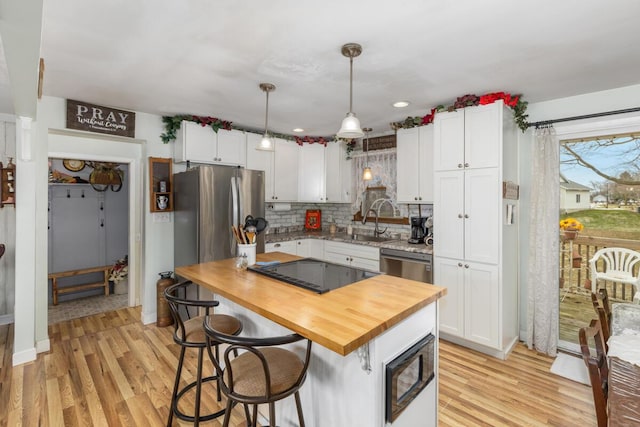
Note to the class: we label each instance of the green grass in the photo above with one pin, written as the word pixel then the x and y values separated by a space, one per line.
pixel 613 223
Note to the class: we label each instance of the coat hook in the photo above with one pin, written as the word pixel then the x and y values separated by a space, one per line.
pixel 102 223
pixel 68 193
pixel 101 206
pixel 82 194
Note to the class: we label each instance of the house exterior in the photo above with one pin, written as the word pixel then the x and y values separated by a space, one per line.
pixel 573 196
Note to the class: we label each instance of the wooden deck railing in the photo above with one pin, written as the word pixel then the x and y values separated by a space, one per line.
pixel 574 264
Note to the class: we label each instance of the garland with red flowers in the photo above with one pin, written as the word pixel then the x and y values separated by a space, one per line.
pixel 514 102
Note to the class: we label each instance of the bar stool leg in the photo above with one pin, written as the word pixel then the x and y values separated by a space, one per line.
pixel 272 414
pixel 227 413
pixel 196 415
pixel 175 387
pixel 299 408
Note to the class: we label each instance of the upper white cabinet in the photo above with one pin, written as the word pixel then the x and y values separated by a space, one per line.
pixel 200 144
pixel 324 174
pixel 470 138
pixel 337 174
pixel 311 173
pixel 475 247
pixel 280 168
pixel 415 165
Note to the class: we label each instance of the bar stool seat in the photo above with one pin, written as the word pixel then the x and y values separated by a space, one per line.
pixel 189 333
pixel 259 371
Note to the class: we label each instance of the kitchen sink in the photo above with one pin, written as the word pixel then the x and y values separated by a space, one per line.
pixel 369 238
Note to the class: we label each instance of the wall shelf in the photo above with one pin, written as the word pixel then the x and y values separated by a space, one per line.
pixel 8 184
pixel 160 184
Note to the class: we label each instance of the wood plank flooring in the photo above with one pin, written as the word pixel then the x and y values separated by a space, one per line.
pixel 110 370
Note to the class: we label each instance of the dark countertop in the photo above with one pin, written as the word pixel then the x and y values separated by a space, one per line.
pixel 343 237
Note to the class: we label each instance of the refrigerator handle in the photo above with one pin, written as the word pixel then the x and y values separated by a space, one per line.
pixel 235 206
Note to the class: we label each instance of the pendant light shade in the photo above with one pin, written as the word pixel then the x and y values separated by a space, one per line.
pixel 351 125
pixel 266 143
pixel 366 173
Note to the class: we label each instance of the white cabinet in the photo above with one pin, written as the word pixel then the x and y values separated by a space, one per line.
pixel 200 144
pixel 310 248
pixel 307 248
pixel 475 250
pixel 337 174
pixel 311 173
pixel 324 174
pixel 467 210
pixel 415 165
pixel 469 138
pixel 280 168
pixel 288 247
pixel 471 307
pixel 360 256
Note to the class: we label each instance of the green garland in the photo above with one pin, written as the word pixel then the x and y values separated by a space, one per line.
pixel 514 102
pixel 172 124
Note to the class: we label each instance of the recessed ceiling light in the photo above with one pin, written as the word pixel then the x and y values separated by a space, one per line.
pixel 298 130
pixel 401 104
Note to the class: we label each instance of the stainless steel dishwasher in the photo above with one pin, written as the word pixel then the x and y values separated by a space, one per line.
pixel 408 265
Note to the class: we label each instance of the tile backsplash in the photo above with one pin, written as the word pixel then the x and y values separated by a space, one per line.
pixel 340 213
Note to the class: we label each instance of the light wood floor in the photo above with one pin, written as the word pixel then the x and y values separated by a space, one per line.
pixel 110 370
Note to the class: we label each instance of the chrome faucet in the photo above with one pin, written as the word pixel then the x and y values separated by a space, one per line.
pixel 376 230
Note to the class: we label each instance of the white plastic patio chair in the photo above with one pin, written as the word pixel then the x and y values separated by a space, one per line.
pixel 617 266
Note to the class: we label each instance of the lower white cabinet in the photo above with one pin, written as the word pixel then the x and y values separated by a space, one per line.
pixel 308 248
pixel 471 308
pixel 359 256
pixel 288 247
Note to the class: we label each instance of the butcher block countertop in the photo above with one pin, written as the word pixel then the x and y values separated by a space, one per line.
pixel 341 320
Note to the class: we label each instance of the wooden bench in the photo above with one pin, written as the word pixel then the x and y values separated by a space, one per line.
pixel 75 288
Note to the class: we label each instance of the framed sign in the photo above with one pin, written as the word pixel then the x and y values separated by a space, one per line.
pixel 94 118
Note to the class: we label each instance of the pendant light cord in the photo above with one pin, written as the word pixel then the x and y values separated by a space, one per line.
pixel 266 116
pixel 351 86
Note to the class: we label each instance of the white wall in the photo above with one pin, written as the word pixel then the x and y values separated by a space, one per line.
pixel 153 241
pixel 596 102
pixel 7 226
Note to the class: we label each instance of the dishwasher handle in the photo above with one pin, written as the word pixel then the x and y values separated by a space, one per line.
pixel 401 255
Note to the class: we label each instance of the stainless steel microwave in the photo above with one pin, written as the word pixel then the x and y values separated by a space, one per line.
pixel 407 375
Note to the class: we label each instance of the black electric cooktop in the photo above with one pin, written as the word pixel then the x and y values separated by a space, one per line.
pixel 313 274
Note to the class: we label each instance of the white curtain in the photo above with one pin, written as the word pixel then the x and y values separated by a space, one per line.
pixel 543 277
pixel 383 168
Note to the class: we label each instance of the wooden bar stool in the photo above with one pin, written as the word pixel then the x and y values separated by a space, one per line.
pixel 258 370
pixel 189 333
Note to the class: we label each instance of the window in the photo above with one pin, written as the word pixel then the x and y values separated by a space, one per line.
pixel 577 198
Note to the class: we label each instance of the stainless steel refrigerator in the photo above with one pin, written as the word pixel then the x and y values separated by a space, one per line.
pixel 208 200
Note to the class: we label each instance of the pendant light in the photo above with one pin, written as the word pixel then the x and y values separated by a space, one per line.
pixel 351 125
pixel 366 173
pixel 266 143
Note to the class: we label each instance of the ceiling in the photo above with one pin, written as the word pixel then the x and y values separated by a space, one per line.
pixel 207 57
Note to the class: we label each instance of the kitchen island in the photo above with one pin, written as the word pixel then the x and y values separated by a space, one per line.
pixel 356 331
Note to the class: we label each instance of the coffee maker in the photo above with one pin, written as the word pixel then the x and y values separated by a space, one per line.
pixel 418 229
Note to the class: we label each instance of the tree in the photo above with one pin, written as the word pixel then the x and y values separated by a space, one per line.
pixel 624 150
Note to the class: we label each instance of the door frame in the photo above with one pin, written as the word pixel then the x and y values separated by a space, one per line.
pixel 593 128
pixel 73 144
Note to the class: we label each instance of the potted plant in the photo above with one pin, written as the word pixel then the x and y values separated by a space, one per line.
pixel 570 228
pixel 119 275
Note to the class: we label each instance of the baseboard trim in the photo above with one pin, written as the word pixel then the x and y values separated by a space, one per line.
pixel 43 346
pixel 6 319
pixel 490 351
pixel 24 356
pixel 148 318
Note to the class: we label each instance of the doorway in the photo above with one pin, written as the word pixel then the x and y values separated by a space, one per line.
pixel 595 159
pixel 64 144
pixel 88 226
